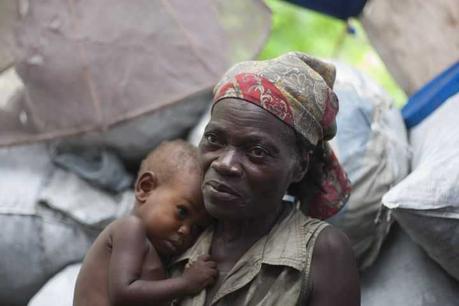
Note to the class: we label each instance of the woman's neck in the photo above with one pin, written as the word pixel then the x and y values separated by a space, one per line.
pixel 248 229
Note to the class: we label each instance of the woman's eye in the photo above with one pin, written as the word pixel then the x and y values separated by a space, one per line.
pixel 258 152
pixel 182 212
pixel 211 138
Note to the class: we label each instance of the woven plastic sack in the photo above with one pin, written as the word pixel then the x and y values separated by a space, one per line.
pixel 404 275
pixel 426 202
pixel 59 288
pixel 371 144
pixel 7 20
pixel 49 218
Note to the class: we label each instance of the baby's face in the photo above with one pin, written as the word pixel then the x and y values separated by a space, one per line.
pixel 175 215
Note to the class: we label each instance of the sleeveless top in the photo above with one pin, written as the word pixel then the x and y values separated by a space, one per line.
pixel 276 270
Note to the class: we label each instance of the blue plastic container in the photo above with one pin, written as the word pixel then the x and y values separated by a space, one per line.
pixel 427 99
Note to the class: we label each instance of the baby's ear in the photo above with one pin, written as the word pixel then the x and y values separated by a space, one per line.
pixel 145 184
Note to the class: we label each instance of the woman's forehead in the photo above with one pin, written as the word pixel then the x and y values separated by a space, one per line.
pixel 248 120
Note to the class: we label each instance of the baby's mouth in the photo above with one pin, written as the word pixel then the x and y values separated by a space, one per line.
pixel 177 242
pixel 172 246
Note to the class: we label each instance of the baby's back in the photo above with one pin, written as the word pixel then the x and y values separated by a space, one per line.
pixel 92 286
pixel 92 283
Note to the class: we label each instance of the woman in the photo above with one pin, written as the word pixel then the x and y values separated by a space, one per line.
pixel 266 138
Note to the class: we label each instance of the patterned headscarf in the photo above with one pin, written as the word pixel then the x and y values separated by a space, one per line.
pixel 297 89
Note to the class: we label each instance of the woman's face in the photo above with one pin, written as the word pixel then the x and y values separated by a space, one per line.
pixel 249 159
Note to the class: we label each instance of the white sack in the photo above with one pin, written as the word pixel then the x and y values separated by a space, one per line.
pixel 426 202
pixel 372 146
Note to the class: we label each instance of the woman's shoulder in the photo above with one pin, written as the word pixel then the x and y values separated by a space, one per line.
pixel 334 270
pixel 333 240
pixel 311 225
pixel 325 237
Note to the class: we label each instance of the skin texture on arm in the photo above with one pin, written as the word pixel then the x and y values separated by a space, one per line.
pixel 335 278
pixel 131 283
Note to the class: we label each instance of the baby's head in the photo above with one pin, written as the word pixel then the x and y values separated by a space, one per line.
pixel 169 199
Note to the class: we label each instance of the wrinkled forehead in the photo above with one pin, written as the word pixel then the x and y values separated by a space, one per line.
pixel 246 119
pixel 241 122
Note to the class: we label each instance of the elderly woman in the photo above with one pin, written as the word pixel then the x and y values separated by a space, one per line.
pixel 267 138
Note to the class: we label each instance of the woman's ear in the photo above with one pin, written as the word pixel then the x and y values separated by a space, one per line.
pixel 145 184
pixel 302 167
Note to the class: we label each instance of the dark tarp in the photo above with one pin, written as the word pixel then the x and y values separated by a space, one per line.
pixel 342 9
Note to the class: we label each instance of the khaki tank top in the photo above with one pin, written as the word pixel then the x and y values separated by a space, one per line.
pixel 274 271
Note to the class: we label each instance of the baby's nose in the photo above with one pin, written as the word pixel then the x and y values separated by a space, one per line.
pixel 184 230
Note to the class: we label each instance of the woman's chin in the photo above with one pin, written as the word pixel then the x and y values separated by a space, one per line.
pixel 223 211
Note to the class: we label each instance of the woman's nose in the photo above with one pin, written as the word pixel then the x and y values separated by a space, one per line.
pixel 227 163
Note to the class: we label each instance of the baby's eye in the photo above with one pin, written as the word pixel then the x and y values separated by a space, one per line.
pixel 182 212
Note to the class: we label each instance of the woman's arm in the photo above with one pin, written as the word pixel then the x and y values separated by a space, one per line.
pixel 335 278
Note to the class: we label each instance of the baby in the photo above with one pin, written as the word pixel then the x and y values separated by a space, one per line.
pixel 125 265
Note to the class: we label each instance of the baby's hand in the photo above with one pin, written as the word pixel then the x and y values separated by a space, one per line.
pixel 200 274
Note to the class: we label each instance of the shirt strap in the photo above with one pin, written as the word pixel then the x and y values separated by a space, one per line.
pixel 311 235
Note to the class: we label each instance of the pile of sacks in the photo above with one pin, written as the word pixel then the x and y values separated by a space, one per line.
pixel 49 217
pixel 408 180
pixel 411 180
pixel 421 262
pixel 372 145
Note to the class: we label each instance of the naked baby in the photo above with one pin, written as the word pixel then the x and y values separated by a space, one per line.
pixel 126 263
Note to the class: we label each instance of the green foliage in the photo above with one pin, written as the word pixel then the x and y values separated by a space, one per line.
pixel 295 28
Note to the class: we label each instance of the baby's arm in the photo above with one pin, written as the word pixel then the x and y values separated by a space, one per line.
pixel 128 254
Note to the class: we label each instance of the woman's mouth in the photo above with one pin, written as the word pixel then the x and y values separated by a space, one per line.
pixel 220 191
